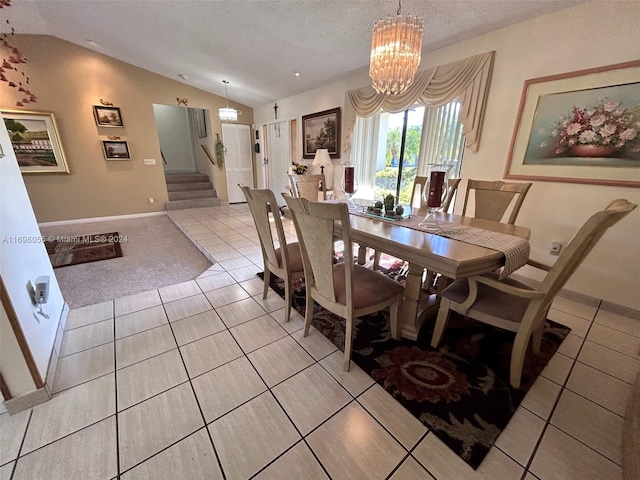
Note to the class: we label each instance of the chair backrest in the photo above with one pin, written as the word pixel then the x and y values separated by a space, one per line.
pixel 266 216
pixel 492 199
pixel 580 245
pixel 316 226
pixel 421 184
pixel 308 186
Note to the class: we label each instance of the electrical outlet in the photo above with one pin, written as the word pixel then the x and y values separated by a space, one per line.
pixel 555 248
pixel 151 200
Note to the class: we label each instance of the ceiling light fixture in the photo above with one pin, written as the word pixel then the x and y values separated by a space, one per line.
pixel 227 114
pixel 183 76
pixel 297 74
pixel 395 53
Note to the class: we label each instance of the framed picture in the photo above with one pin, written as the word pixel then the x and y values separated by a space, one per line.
pixel 35 141
pixel 321 130
pixel 116 150
pixel 579 127
pixel 107 116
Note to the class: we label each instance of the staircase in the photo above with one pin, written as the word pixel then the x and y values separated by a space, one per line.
pixel 190 190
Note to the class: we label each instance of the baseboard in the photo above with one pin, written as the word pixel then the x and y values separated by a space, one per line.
pixel 620 309
pixel 50 378
pixel 102 219
pixel 26 401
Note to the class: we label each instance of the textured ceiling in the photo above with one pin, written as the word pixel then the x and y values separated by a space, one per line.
pixel 256 44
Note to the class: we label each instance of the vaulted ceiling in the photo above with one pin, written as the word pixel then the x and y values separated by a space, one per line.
pixel 256 44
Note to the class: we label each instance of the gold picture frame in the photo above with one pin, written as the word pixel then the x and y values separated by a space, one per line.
pixel 321 130
pixel 35 140
pixel 579 127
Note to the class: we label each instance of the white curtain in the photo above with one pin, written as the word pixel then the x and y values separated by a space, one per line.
pixel 365 151
pixel 435 147
pixel 467 80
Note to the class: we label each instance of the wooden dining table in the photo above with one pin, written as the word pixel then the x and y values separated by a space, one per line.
pixel 423 250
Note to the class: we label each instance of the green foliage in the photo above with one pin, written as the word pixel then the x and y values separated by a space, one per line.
pixel 219 149
pixel 387 180
pixel 14 126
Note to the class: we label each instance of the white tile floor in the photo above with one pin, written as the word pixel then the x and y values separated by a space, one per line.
pixel 203 380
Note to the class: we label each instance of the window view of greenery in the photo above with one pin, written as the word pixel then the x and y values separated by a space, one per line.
pixel 446 146
pixel 386 181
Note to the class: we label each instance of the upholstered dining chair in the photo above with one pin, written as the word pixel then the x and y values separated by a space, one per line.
pixel 514 306
pixel 308 186
pixel 284 261
pixel 492 199
pixel 343 288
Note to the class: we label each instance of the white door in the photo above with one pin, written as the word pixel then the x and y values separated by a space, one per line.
pixel 279 158
pixel 238 159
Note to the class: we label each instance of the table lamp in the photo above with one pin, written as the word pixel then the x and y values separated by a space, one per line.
pixel 322 158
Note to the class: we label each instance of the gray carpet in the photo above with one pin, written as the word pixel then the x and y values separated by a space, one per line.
pixel 156 254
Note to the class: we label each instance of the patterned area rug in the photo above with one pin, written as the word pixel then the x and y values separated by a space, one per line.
pixel 460 391
pixel 64 251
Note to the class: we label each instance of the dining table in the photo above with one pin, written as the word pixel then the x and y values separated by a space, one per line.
pixel 422 249
pixel 427 250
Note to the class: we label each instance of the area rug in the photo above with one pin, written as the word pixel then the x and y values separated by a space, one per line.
pixel 460 391
pixel 73 250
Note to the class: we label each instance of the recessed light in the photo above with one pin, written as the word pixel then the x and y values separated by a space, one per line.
pixel 297 74
pixel 182 76
pixel 92 43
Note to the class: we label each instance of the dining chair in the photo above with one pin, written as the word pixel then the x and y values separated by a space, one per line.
pixel 516 307
pixel 343 288
pixel 285 263
pixel 308 186
pixel 492 199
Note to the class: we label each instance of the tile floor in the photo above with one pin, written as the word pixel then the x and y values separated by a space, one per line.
pixel 203 380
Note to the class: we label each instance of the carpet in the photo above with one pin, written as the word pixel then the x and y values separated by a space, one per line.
pixel 461 390
pixel 73 250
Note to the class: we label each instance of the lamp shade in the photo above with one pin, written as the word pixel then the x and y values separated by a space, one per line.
pixel 228 114
pixel 322 157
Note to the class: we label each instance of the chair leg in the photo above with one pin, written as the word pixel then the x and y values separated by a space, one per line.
pixel 517 357
pixel 376 259
pixel 267 277
pixel 393 319
pixel 536 339
pixel 287 299
pixel 348 337
pixel 441 322
pixel 308 314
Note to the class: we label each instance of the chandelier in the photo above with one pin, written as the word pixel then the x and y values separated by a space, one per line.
pixel 227 114
pixel 395 53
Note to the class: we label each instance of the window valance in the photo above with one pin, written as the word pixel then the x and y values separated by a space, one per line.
pixel 466 80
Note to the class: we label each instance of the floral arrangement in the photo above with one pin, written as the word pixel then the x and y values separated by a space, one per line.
pixel 609 124
pixel 298 168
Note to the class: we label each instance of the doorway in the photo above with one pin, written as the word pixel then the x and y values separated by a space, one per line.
pixel 176 137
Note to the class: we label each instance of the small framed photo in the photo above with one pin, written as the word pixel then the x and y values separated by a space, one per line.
pixel 116 150
pixel 107 116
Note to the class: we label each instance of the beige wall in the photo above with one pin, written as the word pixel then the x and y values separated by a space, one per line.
pixel 560 42
pixel 68 80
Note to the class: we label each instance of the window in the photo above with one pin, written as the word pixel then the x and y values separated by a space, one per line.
pixel 392 148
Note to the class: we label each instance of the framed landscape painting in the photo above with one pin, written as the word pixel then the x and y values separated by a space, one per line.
pixel 108 116
pixel 579 127
pixel 321 130
pixel 35 141
pixel 116 150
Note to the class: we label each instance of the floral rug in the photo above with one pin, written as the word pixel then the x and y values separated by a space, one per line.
pixel 460 391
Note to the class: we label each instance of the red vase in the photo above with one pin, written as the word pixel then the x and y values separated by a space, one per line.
pixel 592 150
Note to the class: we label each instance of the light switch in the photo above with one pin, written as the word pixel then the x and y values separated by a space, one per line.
pixel 149 161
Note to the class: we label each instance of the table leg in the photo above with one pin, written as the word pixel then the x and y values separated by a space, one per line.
pixel 409 313
pixel 362 254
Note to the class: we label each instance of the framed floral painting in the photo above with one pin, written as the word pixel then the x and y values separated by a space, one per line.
pixel 579 127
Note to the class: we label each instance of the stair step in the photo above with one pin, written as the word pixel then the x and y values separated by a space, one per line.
pixel 186 195
pixel 185 177
pixel 183 187
pixel 193 203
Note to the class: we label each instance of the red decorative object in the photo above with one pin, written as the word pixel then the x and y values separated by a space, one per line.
pixel 349 184
pixel 436 185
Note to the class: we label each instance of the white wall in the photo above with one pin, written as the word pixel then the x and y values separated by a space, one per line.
pixel 585 36
pixel 21 263
pixel 13 365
